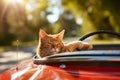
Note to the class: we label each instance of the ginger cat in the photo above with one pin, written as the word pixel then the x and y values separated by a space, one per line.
pixel 53 44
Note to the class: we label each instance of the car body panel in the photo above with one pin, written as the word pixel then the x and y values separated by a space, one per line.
pixel 29 71
pixel 81 65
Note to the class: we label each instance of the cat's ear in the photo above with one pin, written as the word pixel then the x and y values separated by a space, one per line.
pixel 42 33
pixel 61 34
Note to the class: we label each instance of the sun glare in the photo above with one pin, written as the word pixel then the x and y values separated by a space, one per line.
pixel 11 2
pixel 14 1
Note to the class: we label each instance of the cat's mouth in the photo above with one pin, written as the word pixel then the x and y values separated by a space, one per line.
pixel 48 52
pixel 55 50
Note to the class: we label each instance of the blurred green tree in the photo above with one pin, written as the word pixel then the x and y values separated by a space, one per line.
pixel 22 19
pixel 96 15
pixel 67 21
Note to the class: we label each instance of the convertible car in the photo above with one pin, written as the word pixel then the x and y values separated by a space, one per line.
pixel 100 63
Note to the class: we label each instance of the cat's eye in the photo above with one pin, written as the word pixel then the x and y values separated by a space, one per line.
pixel 49 42
pixel 44 46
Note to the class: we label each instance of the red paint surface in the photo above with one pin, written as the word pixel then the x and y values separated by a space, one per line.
pixel 70 72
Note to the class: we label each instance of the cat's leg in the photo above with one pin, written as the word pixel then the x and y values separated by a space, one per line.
pixel 86 45
pixel 78 44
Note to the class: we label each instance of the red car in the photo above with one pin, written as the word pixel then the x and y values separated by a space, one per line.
pixel 100 63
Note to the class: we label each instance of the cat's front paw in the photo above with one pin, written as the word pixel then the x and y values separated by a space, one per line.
pixel 87 46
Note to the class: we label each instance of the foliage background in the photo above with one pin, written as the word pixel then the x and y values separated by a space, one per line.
pixel 22 19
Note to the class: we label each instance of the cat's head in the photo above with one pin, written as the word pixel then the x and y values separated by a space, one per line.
pixel 50 44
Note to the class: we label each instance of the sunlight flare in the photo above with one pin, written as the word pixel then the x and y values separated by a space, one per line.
pixel 14 1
